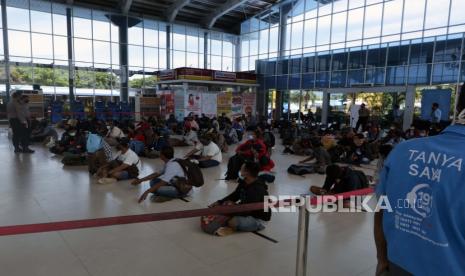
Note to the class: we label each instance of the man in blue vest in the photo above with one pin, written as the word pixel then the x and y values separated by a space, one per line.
pixel 423 180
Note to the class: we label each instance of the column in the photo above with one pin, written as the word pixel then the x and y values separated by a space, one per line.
pixel 6 51
pixel 69 32
pixel 123 59
pixel 205 50
pixel 325 108
pixel 168 46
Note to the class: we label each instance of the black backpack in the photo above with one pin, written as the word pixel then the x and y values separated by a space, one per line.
pixel 193 173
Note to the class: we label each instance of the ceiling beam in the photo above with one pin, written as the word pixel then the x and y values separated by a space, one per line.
pixel 173 10
pixel 222 10
pixel 125 6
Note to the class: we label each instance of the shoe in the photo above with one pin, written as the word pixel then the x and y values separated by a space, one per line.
pixel 106 180
pixel 160 199
pixel 28 150
pixel 224 231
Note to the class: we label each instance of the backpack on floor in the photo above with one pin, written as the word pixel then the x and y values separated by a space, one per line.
pixel 193 173
pixel 300 169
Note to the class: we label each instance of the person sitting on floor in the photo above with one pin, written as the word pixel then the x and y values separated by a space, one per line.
pixel 158 143
pixel 72 140
pixel 101 155
pixel 190 138
pixel 250 190
pixel 114 133
pixel 163 184
pixel 44 133
pixel 253 148
pixel 210 153
pixel 341 180
pixel 321 156
pixel 360 152
pixel 123 167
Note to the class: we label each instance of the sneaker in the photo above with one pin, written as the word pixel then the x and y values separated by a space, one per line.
pixel 106 180
pixel 160 199
pixel 224 231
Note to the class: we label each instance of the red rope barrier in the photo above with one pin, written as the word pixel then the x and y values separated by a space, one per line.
pixel 101 222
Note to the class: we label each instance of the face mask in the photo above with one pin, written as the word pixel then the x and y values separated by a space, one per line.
pixel 72 134
pixel 250 137
pixel 108 127
pixel 241 177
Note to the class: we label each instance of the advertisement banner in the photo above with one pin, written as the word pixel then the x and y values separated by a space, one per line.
pixel 179 104
pixel 209 104
pixel 193 102
pixel 167 103
pixel 224 103
pixel 236 105
pixel 224 76
pixel 249 103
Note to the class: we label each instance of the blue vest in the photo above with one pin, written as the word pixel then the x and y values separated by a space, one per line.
pixel 424 181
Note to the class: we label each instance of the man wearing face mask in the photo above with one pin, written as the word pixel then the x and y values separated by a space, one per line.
pixel 250 190
pixel 71 140
pixel 252 149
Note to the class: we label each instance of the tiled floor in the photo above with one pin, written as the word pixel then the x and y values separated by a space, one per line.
pixel 37 188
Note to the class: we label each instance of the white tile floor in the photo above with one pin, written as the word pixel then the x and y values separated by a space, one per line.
pixel 37 188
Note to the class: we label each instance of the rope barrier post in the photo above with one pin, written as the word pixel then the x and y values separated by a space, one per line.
pixel 302 241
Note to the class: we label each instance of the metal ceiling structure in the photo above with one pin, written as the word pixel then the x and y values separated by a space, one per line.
pixel 224 15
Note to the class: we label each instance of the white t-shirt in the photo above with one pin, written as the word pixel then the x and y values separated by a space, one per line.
pixel 116 132
pixel 212 150
pixel 129 157
pixel 171 170
pixel 191 138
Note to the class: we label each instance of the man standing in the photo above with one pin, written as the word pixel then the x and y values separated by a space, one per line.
pixel 21 107
pixel 13 120
pixel 436 114
pixel 422 180
pixel 363 117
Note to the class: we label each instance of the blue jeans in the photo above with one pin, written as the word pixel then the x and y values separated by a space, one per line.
pixel 248 224
pixel 208 163
pixel 124 175
pixel 166 190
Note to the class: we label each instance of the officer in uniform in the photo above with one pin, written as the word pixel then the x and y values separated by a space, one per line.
pixel 423 181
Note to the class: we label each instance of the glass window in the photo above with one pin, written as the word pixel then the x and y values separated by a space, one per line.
pixel 101 30
pixel 413 15
pixel 325 9
pixel 437 14
pixel 373 16
pixel 115 53
pixel 19 43
pixel 253 44
pixel 215 44
pixel 398 55
pixel 162 59
pixel 324 30
pixel 392 18
pixel 83 50
pixel 340 5
pixel 179 59
pixel 150 57
pixel 102 52
pixel 192 41
pixel 263 41
pixel 227 64
pixel 339 61
pixel 41 22
pixel 42 46
pixel 310 32
pixel 82 27
pixel 376 57
pixel 228 45
pixel 421 53
pixel 192 60
pixel 18 19
pixel 357 59
pixel 114 32
pixel 60 44
pixel 355 24
pixel 338 32
pixel 135 56
pixel 150 33
pixel 356 3
pixel 297 33
pixel 273 43
pixel 59 24
pixel 215 62
pixel 245 45
pixel 136 35
pixel 179 38
pixel 162 35
pixel 456 12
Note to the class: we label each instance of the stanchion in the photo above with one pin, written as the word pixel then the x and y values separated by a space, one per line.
pixel 302 241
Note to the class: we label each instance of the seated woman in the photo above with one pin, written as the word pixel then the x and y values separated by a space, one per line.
pixel 123 167
pixel 210 154
pixel 253 148
pixel 157 144
pixel 359 152
pixel 250 190
pixel 72 140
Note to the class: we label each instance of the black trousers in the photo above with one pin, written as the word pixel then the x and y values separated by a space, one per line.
pixel 395 270
pixel 362 121
pixel 21 134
